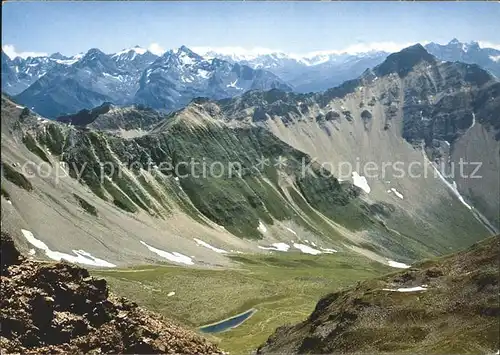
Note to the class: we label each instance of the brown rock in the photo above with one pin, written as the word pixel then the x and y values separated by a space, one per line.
pixel 59 309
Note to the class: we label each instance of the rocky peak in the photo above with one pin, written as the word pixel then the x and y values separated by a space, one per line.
pixel 182 56
pixel 96 60
pixel 474 45
pixel 184 49
pixel 18 61
pixel 186 56
pixel 58 55
pixel 93 54
pixel 404 61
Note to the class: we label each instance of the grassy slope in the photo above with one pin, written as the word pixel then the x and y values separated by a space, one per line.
pixel 283 287
pixel 457 314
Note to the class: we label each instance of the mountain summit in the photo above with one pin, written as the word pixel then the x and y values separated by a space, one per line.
pixel 470 53
pixel 403 62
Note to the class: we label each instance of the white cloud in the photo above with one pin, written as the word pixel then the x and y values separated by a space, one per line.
pixel 486 44
pixel 155 48
pixel 10 50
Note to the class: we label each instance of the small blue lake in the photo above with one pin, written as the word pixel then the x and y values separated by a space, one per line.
pixel 228 323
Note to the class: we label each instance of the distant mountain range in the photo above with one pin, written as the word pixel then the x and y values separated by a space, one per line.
pixel 54 86
pixel 321 71
pixel 57 85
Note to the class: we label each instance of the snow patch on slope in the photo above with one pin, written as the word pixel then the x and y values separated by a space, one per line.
pixel 396 264
pixel 136 50
pixel 328 251
pixel 397 193
pixel 277 247
pixel 360 181
pixel 306 249
pixel 174 256
pixel 206 245
pixel 205 74
pixel 262 228
pixel 80 257
pixel 407 289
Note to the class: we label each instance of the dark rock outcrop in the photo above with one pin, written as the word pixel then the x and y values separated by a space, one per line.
pixel 85 117
pixel 59 308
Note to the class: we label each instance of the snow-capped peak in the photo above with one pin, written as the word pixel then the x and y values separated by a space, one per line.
pixel 187 56
pixel 135 50
pixel 308 58
pixel 234 53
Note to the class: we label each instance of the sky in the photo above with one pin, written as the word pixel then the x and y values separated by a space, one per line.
pixel 290 27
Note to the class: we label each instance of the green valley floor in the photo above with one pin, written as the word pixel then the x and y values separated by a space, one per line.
pixel 283 287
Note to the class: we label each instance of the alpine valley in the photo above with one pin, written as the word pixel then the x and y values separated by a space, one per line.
pixel 88 143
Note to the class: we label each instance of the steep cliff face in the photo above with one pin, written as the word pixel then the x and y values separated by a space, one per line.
pixel 60 309
pixel 447 305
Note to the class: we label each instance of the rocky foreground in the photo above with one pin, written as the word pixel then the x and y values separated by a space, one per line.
pixel 59 308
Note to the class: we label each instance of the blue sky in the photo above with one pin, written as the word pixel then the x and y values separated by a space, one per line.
pixel 294 27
